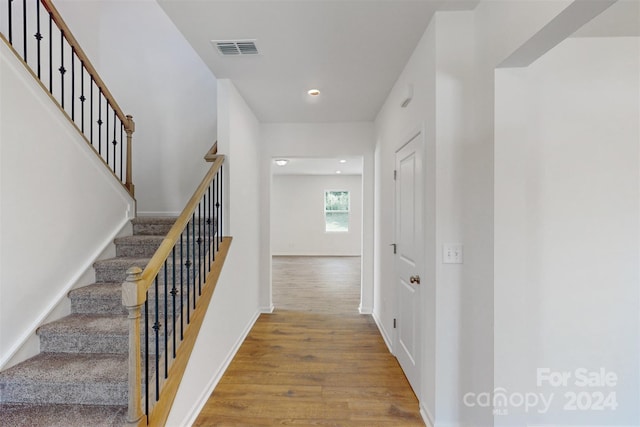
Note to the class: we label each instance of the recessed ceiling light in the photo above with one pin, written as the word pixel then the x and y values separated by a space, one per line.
pixel 338 172
pixel 281 162
pixel 313 92
pixel 343 161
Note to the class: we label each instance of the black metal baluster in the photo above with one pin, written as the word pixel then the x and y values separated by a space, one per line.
pixel 38 35
pixel 146 353
pixel 181 288
pixel 212 214
pixel 200 271
pixel 121 150
pixel 91 111
pixel 73 84
pixel 166 321
pixel 217 205
pixel 50 53
pixel 206 232
pixel 156 328
pixel 193 243
pixel 114 142
pixel 99 121
pixel 106 140
pixel 62 69
pixel 82 98
pixel 24 28
pixel 188 264
pixel 174 291
pixel 11 23
pixel 221 202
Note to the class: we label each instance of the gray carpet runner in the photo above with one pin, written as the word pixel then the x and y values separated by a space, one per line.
pixel 80 376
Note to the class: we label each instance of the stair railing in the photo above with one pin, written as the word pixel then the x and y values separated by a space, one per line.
pixel 39 36
pixel 168 300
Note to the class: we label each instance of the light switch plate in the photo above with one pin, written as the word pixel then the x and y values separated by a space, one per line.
pixel 452 254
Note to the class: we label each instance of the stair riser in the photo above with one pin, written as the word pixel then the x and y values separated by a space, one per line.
pixel 141 229
pixel 114 305
pixel 107 273
pixel 68 393
pixel 97 306
pixel 136 251
pixel 99 344
pixel 151 229
pixel 83 343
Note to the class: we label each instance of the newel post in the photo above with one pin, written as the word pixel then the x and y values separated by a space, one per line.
pixel 133 296
pixel 130 128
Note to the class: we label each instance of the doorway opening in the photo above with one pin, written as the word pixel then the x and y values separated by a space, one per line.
pixel 316 233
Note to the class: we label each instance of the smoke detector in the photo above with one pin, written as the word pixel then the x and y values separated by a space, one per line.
pixel 236 47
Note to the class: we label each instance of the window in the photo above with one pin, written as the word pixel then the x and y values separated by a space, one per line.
pixel 336 211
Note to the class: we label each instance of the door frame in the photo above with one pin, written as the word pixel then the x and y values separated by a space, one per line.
pixel 416 132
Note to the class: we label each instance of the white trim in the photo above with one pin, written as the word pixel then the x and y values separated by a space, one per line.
pixel 158 213
pixel 88 264
pixel 267 310
pixel 204 397
pixel 426 415
pixel 365 310
pixel 383 332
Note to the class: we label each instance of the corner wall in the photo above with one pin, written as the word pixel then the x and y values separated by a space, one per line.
pixel 60 206
pixel 452 72
pixel 155 75
pixel 567 223
pixel 234 306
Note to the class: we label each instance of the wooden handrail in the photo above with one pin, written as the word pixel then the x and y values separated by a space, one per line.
pixel 212 153
pixel 160 413
pixel 163 252
pixel 48 5
pixel 137 291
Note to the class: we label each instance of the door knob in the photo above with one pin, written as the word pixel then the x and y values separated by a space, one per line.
pixel 415 279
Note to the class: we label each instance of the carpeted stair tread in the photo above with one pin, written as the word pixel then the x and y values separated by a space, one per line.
pixel 96 379
pixel 98 298
pixel 80 376
pixel 137 246
pixel 115 269
pixel 86 333
pixel 164 220
pixel 23 415
pixel 158 226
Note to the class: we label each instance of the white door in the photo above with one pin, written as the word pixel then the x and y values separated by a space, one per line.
pixel 409 258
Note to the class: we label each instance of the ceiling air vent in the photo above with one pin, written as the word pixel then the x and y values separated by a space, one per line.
pixel 236 47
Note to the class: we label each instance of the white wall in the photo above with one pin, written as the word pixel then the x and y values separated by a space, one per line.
pixel 156 76
pixel 234 306
pixel 452 71
pixel 321 140
pixel 59 205
pixel 297 216
pixel 566 204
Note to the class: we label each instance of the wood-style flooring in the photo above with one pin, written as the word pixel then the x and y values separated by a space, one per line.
pixel 315 361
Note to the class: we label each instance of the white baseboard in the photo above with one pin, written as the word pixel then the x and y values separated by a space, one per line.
pixel 267 310
pixel 426 416
pixel 157 213
pixel 15 355
pixel 383 332
pixel 204 397
pixel 365 310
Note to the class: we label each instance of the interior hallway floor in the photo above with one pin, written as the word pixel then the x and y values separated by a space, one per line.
pixel 315 360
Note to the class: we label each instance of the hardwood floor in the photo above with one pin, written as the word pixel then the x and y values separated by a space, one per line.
pixel 315 360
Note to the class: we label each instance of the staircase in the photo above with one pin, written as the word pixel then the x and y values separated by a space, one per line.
pixel 80 376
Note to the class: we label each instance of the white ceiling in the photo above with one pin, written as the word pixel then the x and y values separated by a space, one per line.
pixel 319 166
pixel 352 50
